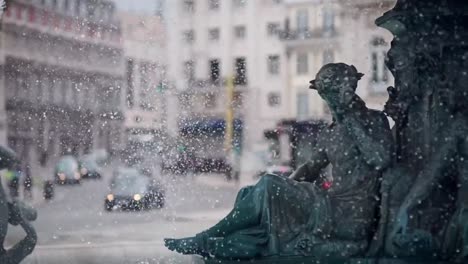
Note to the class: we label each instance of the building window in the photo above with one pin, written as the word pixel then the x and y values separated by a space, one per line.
pixel 239 3
pixel 302 20
pixel 328 21
pixel 302 63
pixel 189 6
pixel 189 36
pixel 328 57
pixel 241 71
pixel 145 100
pixel 302 106
pixel 21 87
pixel 66 5
pixel 58 91
pixel 273 64
pixel 66 92
pixel 213 34
pixel 45 88
pixel 215 70
pixel 239 32
pixel 40 93
pixel 380 73
pixel 213 4
pixel 274 99
pixel 189 70
pixel 273 29
pixel 77 7
pixel 130 89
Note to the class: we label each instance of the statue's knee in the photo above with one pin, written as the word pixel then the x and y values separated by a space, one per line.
pixel 269 179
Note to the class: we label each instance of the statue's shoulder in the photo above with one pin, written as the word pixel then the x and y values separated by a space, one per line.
pixel 376 113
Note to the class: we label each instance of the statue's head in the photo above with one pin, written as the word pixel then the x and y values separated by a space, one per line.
pixel 334 79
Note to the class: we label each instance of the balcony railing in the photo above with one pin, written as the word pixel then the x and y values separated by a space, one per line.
pixel 204 83
pixel 306 34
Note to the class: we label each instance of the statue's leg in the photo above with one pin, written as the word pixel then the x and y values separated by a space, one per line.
pixel 247 209
pixel 341 248
pixel 246 244
pixel 246 213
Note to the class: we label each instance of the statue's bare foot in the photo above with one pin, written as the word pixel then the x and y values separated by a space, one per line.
pixel 187 246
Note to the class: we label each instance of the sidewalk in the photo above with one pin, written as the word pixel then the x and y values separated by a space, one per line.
pixel 207 215
pixel 134 253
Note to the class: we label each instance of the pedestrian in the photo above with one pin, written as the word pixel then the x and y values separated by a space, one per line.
pixel 27 183
pixel 13 177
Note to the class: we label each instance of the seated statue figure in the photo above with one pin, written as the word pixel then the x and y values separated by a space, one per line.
pixel 296 216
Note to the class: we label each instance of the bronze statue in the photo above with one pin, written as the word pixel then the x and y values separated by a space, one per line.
pixel 14 213
pixel 297 217
pixel 449 162
pixel 424 198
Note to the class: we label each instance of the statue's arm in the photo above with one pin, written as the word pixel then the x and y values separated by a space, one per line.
pixel 372 135
pixel 311 170
pixel 25 247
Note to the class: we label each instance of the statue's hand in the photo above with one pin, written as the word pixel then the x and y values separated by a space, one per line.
pixel 393 107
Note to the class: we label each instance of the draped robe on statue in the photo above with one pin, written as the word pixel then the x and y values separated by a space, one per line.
pixel 303 218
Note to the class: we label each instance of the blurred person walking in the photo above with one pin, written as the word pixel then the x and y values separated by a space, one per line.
pixel 27 184
pixel 13 177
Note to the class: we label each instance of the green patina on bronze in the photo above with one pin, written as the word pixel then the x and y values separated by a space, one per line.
pixel 15 213
pixel 296 216
pixel 395 199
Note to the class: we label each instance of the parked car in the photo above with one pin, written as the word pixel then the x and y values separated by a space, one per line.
pixel 130 190
pixel 280 170
pixel 89 168
pixel 67 171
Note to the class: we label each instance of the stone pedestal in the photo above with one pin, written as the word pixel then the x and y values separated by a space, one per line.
pixel 310 260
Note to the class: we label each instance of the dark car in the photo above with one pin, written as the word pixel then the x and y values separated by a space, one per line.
pixel 89 168
pixel 67 171
pixel 130 190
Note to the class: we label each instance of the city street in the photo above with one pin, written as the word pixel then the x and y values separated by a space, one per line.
pixel 75 228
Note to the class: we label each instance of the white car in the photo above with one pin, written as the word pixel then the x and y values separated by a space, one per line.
pixel 280 170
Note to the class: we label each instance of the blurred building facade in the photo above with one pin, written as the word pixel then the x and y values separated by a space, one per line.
pixel 367 47
pixel 211 41
pixel 63 67
pixel 146 88
pixel 320 32
pixel 273 48
pixel 311 35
